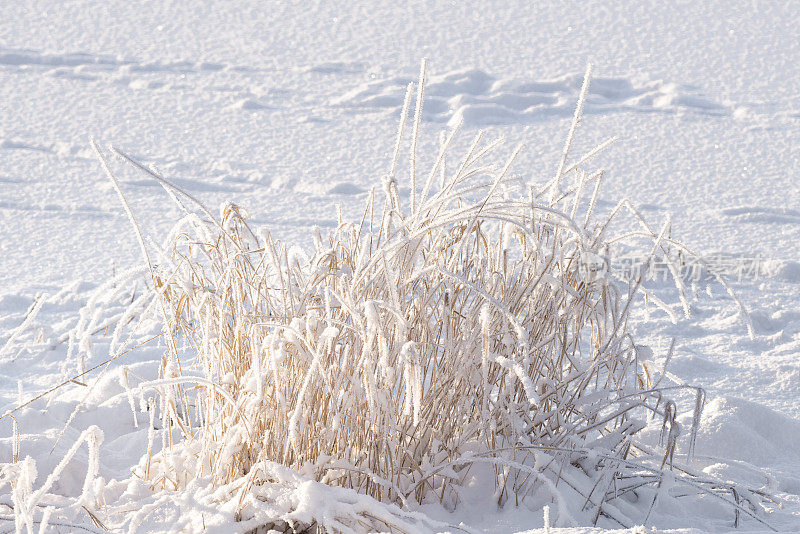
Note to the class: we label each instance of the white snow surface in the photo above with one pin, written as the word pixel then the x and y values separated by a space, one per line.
pixel 290 108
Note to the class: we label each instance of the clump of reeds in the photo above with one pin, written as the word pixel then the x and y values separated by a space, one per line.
pixel 459 328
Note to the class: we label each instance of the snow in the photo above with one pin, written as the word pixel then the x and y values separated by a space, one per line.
pixel 290 110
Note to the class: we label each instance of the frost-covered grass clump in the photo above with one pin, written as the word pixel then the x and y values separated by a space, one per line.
pixel 433 341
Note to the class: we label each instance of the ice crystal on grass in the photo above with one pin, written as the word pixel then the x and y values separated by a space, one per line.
pixel 406 351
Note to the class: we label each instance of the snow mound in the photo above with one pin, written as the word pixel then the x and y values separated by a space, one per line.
pixel 739 429
pixel 480 99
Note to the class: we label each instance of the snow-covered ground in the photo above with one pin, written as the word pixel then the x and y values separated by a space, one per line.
pixel 290 109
